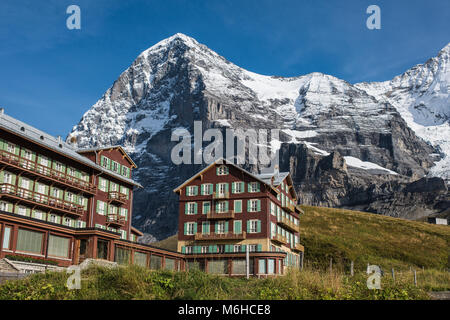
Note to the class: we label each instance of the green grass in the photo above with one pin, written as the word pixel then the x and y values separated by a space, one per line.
pixel 138 283
pixel 346 235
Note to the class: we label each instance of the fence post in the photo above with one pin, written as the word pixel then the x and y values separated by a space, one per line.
pixel 393 274
pixel 415 278
pixel 351 269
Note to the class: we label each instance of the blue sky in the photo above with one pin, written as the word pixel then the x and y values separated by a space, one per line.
pixel 51 75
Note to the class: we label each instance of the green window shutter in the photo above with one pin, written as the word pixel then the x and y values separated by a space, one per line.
pixel 195 190
pixel 195 228
pixel 206 207
pixel 217 170
pixel 210 190
pixel 238 206
pixel 227 170
pixel 183 249
pixel 226 206
pixel 232 187
pixel 186 208
pixel 185 228
pixel 258 187
pixel 242 186
pixel 202 189
pixel 259 248
pixel 243 248
pixel 248 225
pixel 226 188
pixel 226 227
pixel 211 249
pixel 217 206
pixel 258 226
pixel 249 187
pixel 258 203
pixel 228 248
pixel 248 206
pixel 187 188
pixel 217 187
pixel 195 208
pixel 216 227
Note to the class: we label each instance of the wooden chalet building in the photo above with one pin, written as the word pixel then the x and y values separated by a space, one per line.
pixel 225 210
pixel 64 204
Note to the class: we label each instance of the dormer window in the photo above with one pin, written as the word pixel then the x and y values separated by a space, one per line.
pixel 222 170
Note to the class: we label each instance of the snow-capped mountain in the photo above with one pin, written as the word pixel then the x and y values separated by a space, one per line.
pixel 179 80
pixel 422 96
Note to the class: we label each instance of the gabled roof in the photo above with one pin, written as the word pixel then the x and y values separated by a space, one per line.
pixel 116 147
pixel 278 178
pixel 222 161
pixel 50 142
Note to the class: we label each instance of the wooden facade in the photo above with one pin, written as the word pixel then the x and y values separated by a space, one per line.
pixel 66 205
pixel 225 210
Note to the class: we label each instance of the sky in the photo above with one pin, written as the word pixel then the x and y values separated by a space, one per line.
pixel 50 75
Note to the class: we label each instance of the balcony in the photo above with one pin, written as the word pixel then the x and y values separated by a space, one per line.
pixel 214 215
pixel 115 220
pixel 289 207
pixel 49 174
pixel 288 224
pixel 40 200
pixel 220 195
pixel 298 248
pixel 280 239
pixel 117 197
pixel 220 236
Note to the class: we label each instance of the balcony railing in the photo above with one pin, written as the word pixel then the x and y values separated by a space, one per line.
pixel 42 200
pixel 279 238
pixel 289 207
pixel 221 195
pixel 220 236
pixel 214 215
pixel 288 224
pixel 298 247
pixel 115 196
pixel 115 219
pixel 45 172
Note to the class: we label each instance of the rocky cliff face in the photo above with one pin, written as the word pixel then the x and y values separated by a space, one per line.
pixel 346 145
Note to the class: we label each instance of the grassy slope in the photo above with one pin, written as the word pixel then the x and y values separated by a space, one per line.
pixel 363 237
pixel 368 238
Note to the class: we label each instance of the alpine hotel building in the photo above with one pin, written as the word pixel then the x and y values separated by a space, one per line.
pixel 65 204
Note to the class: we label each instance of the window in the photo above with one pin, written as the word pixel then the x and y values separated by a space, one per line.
pixel 155 262
pixel 222 188
pixel 55 193
pixel 38 214
pixel 206 189
pixel 261 266
pixel 59 167
pixel 11 148
pixel 44 161
pixel 115 166
pixel 27 154
pixel 3 206
pixel 221 248
pixel 103 185
pixel 191 208
pixel 58 246
pixel 71 172
pixel 105 162
pixel 222 206
pixel 6 238
pixel 7 177
pixel 25 184
pixel 191 190
pixel 238 187
pixel 205 227
pixel 222 170
pixel 70 197
pixel 273 209
pixel 67 222
pixel 254 226
pixel 252 247
pixel 188 249
pixel 271 266
pixel 254 205
pixel 125 171
pixel 253 187
pixel 29 241
pixel 236 248
pixel 204 249
pixel 237 228
pixel 41 188
pixel 22 210
pixel 220 227
pixel 101 207
pixel 140 259
pixel 122 256
pixel 52 218
pixel 190 228
pixel 206 207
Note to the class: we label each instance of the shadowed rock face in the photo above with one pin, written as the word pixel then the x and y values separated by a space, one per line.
pixel 322 120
